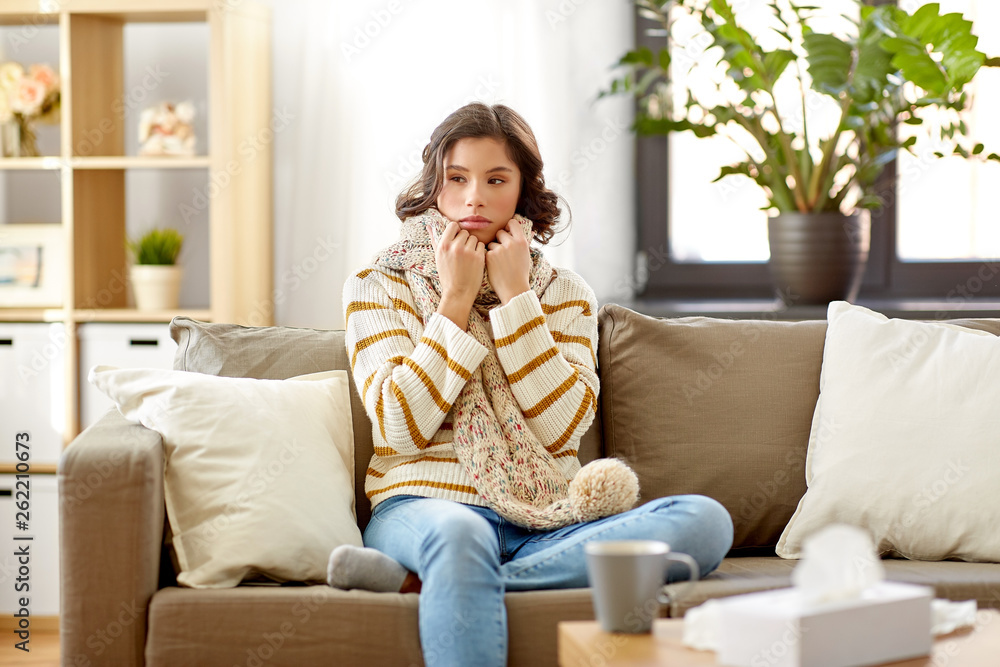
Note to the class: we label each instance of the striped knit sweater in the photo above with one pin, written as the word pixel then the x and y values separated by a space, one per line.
pixel 409 375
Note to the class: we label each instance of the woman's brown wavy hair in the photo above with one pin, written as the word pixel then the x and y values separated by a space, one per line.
pixel 477 120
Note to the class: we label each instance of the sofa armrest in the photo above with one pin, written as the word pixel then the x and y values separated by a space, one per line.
pixel 111 514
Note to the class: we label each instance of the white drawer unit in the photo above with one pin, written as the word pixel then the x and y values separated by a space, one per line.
pixel 34 573
pixel 122 345
pixel 32 388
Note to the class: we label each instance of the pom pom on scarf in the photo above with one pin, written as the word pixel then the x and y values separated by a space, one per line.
pixel 603 487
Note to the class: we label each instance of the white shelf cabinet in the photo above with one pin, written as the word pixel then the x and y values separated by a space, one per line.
pixel 93 176
pixel 121 345
pixel 43 528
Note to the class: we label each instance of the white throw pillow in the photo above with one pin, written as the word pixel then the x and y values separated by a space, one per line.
pixel 905 439
pixel 259 473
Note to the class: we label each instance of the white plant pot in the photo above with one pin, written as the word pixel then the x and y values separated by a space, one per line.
pixel 156 287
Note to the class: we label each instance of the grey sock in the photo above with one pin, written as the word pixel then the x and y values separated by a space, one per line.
pixel 365 568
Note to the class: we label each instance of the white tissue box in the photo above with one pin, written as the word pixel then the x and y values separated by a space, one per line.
pixel 890 621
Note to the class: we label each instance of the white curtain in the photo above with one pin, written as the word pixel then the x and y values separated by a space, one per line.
pixel 365 83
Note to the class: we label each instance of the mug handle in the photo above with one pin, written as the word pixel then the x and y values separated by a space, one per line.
pixel 664 596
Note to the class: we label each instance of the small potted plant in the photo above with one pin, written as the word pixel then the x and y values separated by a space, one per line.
pixel 891 69
pixel 154 274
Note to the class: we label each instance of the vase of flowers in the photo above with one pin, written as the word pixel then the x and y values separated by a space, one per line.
pixel 26 97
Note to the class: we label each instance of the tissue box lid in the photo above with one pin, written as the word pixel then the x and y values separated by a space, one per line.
pixel 892 621
pixel 786 602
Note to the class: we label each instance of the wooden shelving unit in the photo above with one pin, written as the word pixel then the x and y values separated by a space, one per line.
pixel 93 182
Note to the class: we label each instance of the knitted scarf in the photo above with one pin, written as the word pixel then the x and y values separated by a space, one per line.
pixel 511 470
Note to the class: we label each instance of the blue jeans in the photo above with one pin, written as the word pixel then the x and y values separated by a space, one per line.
pixel 468 556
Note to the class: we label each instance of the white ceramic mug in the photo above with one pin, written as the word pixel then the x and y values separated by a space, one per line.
pixel 626 578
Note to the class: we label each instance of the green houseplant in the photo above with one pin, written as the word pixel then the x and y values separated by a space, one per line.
pixel 890 68
pixel 154 274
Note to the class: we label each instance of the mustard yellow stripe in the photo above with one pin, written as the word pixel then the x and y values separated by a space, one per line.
pixel 385 451
pixel 461 488
pixel 553 396
pixel 548 310
pixel 380 414
pixel 395 279
pixel 588 398
pixel 405 307
pixel 435 459
pixel 365 273
pixel 368 383
pixel 525 370
pixel 360 306
pixel 523 329
pixel 398 359
pixel 411 423
pixel 371 340
pixel 455 367
pixel 560 337
pixel 442 404
pixel 374 473
pixel 568 452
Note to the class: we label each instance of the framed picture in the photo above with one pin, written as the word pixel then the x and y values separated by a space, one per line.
pixel 32 265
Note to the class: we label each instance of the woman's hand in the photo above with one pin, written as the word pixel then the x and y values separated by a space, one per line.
pixel 461 260
pixel 508 262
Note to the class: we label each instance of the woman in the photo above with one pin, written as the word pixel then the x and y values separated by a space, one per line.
pixel 476 361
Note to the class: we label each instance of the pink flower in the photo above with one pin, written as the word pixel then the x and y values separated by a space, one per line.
pixel 28 97
pixel 44 75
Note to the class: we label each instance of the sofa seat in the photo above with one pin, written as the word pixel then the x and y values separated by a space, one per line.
pixel 318 625
pixel 954 580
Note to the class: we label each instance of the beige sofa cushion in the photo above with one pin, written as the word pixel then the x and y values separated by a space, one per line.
pixel 319 625
pixel 275 353
pixel 278 353
pixel 711 406
pixel 259 473
pixel 717 407
pixel 904 438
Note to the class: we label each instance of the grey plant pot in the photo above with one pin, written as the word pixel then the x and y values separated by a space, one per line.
pixel 817 258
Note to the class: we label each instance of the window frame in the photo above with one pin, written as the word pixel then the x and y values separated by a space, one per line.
pixel 886 275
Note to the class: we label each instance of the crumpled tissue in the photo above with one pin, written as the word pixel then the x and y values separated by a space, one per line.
pixel 948 616
pixel 838 563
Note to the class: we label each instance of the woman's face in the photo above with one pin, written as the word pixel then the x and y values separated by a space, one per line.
pixel 481 187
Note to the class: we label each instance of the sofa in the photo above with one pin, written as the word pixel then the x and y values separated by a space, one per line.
pixel 694 405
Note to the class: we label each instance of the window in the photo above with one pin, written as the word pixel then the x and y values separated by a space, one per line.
pixel 937 237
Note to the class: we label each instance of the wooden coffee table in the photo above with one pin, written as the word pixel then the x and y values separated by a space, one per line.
pixel 584 644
